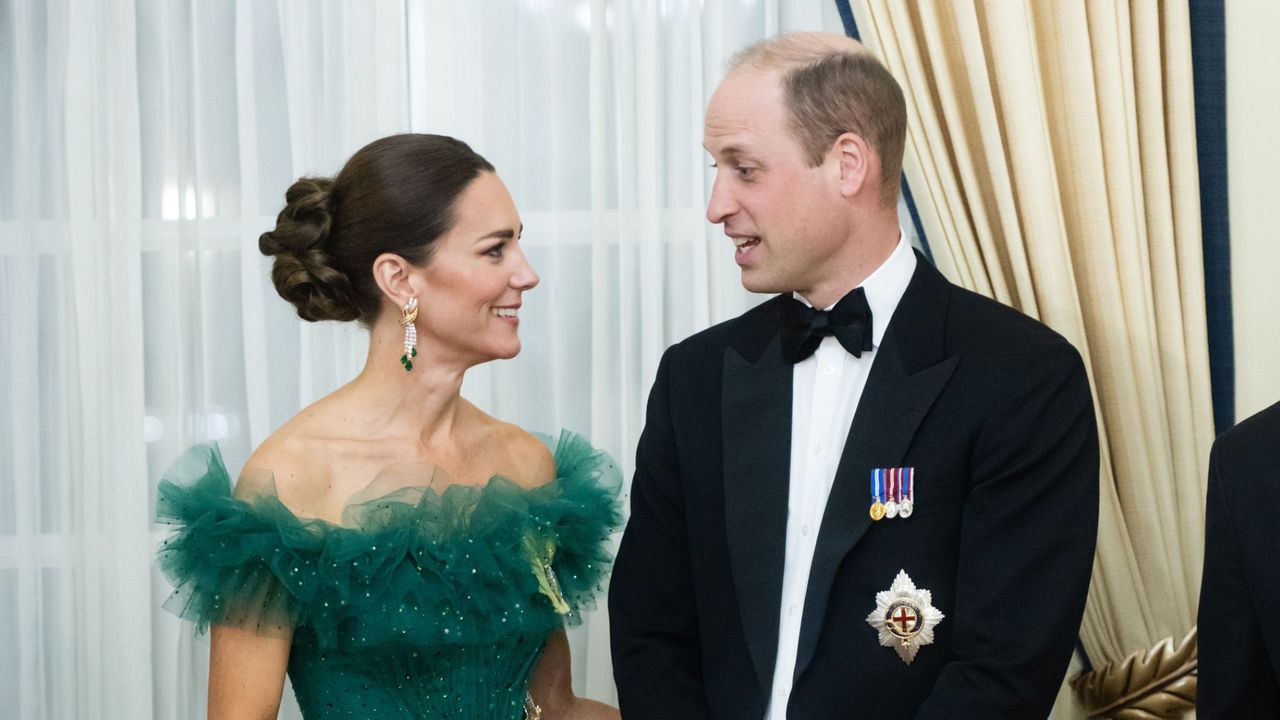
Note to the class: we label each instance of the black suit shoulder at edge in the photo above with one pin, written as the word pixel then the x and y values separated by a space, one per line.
pixel 1258 434
pixel 1237 648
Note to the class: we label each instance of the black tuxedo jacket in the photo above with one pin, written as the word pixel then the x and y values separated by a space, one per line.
pixel 993 411
pixel 1239 638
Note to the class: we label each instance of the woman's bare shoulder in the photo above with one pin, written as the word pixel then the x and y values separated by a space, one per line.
pixel 295 462
pixel 524 459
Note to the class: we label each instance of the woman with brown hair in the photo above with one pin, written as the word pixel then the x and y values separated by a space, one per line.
pixel 397 551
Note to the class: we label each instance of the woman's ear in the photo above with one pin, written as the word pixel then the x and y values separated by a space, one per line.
pixel 395 278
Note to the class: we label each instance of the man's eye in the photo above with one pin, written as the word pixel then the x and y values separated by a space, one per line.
pixel 745 172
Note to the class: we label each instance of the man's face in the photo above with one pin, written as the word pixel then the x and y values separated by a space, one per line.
pixel 783 215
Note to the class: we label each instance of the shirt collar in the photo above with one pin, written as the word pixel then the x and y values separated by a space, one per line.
pixel 884 287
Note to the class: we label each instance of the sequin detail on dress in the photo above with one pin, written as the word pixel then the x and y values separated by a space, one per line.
pixel 422 608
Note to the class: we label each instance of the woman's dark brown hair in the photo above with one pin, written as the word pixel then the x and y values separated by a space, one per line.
pixel 395 195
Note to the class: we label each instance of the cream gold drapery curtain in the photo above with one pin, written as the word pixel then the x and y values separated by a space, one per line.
pixel 1052 153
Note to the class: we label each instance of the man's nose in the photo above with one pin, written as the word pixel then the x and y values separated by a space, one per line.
pixel 721 204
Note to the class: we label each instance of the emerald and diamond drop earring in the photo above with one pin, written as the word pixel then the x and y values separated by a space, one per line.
pixel 408 314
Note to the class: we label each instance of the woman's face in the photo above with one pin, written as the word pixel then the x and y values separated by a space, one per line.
pixel 475 278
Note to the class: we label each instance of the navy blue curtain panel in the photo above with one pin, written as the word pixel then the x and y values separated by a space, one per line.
pixel 1208 54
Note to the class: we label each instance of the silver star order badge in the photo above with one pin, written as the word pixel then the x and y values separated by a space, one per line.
pixel 905 617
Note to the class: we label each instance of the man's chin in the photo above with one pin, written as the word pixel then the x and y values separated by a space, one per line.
pixel 756 282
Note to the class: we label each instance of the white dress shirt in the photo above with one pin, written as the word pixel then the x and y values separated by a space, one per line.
pixel 825 390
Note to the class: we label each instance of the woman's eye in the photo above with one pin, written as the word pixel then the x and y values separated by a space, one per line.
pixel 495 251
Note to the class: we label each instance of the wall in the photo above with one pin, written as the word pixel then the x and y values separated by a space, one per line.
pixel 1253 157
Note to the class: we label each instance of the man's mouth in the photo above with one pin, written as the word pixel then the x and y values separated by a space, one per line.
pixel 745 242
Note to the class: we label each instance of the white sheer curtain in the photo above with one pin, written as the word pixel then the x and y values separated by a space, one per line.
pixel 147 143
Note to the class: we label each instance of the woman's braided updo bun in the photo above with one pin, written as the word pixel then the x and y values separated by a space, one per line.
pixel 395 195
pixel 304 272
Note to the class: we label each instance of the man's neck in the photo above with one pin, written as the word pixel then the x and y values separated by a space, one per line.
pixel 867 253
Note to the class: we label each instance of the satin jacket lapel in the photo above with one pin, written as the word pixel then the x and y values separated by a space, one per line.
pixel 756 427
pixel 894 402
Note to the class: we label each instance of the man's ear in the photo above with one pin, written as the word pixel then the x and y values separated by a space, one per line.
pixel 856 161
pixel 395 278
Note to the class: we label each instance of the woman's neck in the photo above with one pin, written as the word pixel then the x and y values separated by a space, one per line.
pixel 425 402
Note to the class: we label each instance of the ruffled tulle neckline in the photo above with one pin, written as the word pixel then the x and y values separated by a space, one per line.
pixel 367 506
pixel 366 502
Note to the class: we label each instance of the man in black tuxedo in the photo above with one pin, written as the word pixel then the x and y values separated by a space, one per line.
pixel 883 510
pixel 1239 643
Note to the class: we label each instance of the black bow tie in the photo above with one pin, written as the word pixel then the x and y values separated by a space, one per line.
pixel 804 327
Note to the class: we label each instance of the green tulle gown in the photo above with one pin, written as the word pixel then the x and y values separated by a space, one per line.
pixel 421 604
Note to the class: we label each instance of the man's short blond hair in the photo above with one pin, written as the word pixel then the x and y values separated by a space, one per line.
pixel 832 86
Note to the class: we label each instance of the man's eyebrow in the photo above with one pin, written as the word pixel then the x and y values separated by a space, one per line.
pixel 729 151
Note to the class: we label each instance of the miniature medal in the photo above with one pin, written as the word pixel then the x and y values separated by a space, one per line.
pixel 908 489
pixel 905 617
pixel 892 481
pixel 877 494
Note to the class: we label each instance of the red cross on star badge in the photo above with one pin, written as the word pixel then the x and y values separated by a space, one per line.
pixel 905 617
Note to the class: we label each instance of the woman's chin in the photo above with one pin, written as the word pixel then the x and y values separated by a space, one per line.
pixel 504 351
